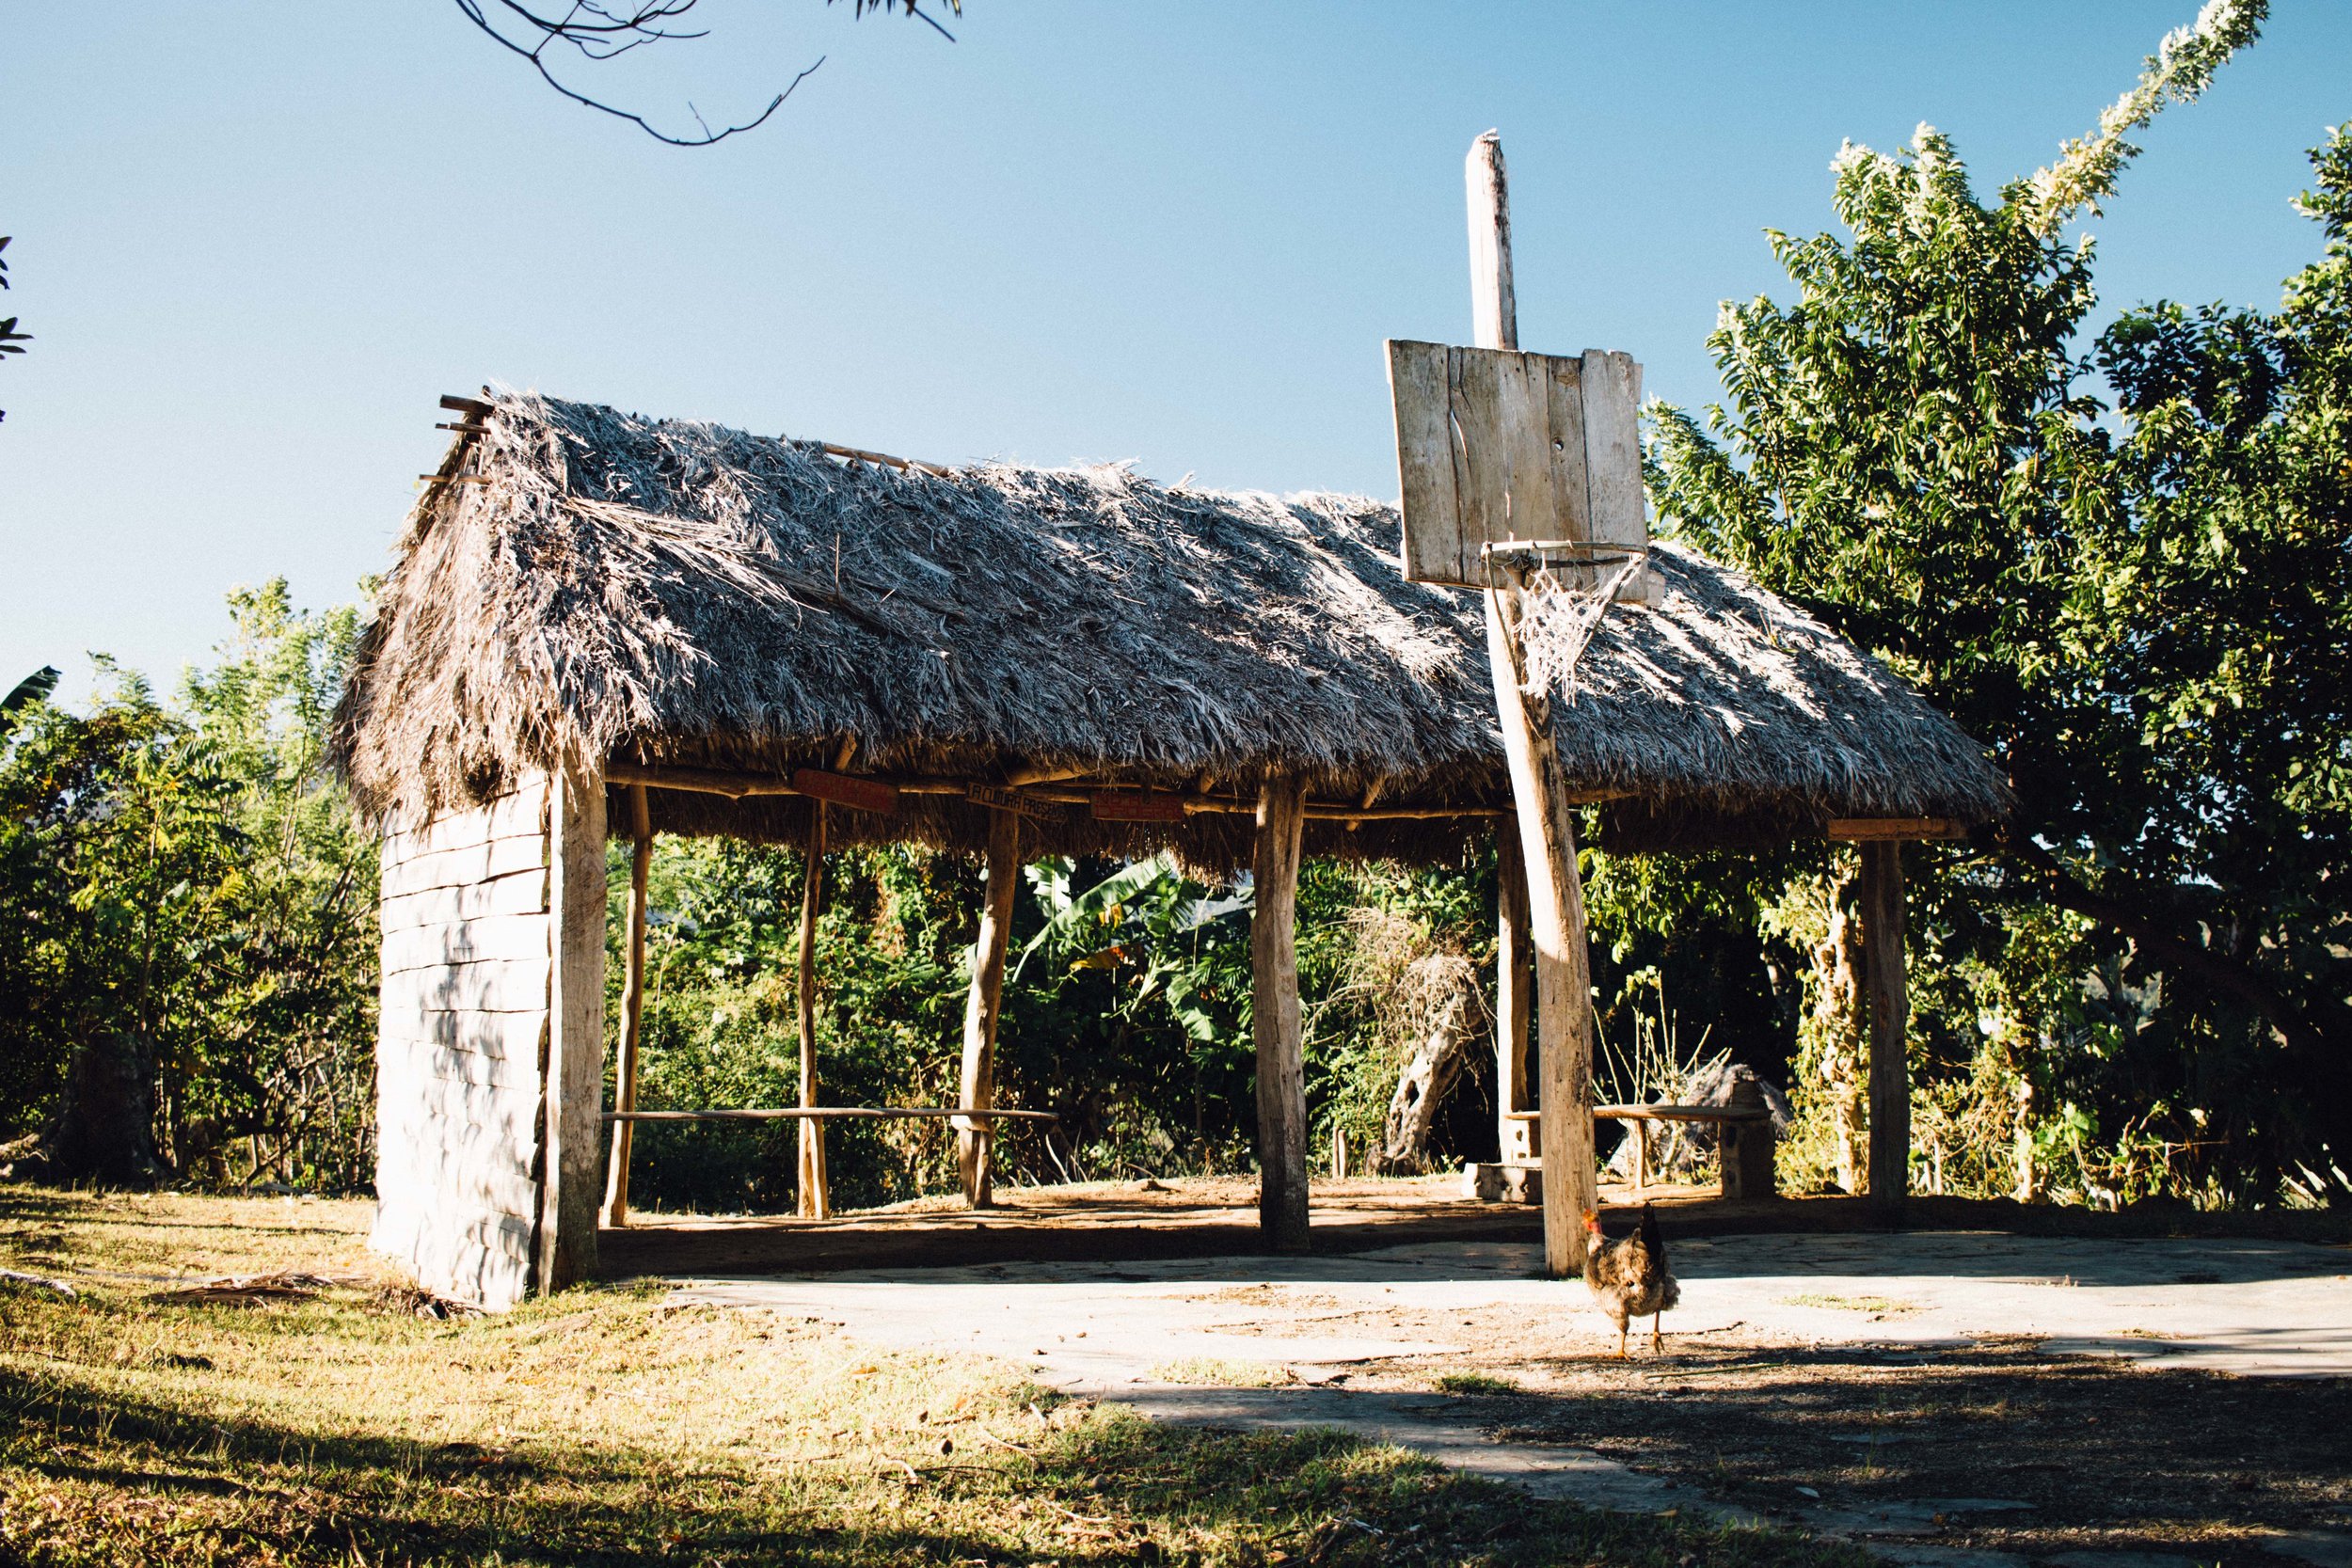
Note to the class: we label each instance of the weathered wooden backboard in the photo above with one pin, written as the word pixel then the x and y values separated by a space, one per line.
pixel 1495 444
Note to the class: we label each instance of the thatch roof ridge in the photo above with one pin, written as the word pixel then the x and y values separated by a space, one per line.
pixel 591 583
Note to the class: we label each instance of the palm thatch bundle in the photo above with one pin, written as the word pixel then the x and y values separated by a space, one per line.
pixel 584 585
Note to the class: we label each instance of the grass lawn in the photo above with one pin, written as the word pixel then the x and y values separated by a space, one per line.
pixel 331 1424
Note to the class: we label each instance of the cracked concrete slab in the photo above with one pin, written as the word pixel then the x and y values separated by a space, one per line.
pixel 2250 1308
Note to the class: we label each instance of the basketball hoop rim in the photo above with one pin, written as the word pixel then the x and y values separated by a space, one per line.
pixel 1584 552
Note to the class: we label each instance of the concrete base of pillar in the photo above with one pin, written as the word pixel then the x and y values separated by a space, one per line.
pixel 1504 1182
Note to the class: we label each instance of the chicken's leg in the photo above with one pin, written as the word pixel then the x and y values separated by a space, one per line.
pixel 1621 1339
pixel 1657 1338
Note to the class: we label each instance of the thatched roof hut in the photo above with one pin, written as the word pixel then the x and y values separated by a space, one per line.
pixel 604 623
pixel 591 584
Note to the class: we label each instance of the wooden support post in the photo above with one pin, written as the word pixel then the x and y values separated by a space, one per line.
pixel 572 1084
pixel 1884 977
pixel 1274 1004
pixel 974 1139
pixel 1564 985
pixel 1748 1146
pixel 1515 1001
pixel 633 1009
pixel 815 1198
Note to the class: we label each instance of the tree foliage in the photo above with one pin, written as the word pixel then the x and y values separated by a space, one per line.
pixel 11 341
pixel 187 947
pixel 2123 564
pixel 1125 1011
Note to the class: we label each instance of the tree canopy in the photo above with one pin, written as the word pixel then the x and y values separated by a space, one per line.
pixel 2121 562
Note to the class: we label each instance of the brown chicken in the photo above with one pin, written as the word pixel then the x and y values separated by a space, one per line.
pixel 1630 1277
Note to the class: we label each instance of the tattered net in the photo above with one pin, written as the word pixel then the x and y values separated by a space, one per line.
pixel 1561 607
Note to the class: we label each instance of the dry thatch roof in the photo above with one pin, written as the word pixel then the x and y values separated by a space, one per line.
pixel 587 583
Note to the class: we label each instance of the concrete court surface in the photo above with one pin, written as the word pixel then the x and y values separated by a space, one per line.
pixel 2258 1309
pixel 1174 1339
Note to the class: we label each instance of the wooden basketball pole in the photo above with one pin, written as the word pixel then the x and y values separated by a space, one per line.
pixel 1555 892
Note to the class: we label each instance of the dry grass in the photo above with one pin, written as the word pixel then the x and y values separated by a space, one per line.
pixel 609 1426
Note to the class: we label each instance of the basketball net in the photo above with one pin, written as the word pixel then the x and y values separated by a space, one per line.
pixel 1557 604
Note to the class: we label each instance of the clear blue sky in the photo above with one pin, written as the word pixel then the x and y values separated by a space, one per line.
pixel 256 240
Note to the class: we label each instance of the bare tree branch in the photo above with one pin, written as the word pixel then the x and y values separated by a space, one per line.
pixel 602 30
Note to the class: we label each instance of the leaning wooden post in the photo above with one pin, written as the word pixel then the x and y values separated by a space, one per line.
pixel 633 1009
pixel 1555 892
pixel 572 1088
pixel 1885 978
pixel 1275 1020
pixel 975 1138
pixel 816 1200
pixel 1514 1000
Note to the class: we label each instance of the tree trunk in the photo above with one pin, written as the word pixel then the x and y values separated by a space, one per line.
pixel 1421 1088
pixel 105 1130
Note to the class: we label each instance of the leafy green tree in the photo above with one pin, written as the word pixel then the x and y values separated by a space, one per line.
pixel 186 953
pixel 284 1058
pixel 2139 609
pixel 1125 1011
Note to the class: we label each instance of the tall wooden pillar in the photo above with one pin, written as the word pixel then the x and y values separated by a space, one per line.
pixel 633 1009
pixel 572 1086
pixel 816 1196
pixel 1274 1010
pixel 1555 892
pixel 1885 976
pixel 1564 983
pixel 975 1139
pixel 1515 1001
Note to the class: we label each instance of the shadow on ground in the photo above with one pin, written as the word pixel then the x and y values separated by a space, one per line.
pixel 2016 1450
pixel 88 1475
